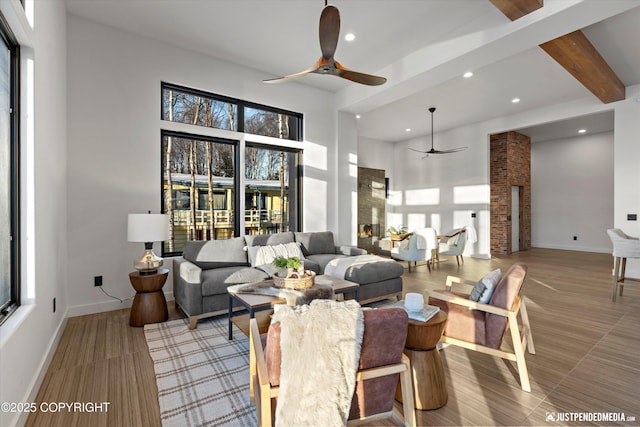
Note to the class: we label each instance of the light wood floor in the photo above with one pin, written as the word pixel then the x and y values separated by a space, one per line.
pixel 588 354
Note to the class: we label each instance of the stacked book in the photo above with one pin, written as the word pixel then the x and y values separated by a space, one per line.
pixel 427 312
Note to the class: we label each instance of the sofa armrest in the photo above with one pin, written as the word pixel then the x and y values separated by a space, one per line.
pixel 187 288
pixel 350 250
pixel 189 272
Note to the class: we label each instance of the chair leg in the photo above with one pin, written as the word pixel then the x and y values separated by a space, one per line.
pixel 525 323
pixel 616 270
pixel 622 274
pixel 406 385
pixel 519 351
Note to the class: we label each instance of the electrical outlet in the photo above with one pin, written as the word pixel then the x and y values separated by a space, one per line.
pixel 97 281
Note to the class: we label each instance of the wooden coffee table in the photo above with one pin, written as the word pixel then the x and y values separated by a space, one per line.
pixel 254 303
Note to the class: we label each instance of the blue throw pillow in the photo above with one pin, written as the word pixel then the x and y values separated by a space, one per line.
pixel 483 290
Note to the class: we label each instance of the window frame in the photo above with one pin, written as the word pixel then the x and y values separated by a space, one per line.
pixel 14 175
pixel 241 105
pixel 241 140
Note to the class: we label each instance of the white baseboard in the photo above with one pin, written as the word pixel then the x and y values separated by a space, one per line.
pixel 103 306
pixel 572 248
pixel 36 383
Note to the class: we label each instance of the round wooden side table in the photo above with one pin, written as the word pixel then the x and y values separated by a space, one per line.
pixel 149 304
pixel 429 384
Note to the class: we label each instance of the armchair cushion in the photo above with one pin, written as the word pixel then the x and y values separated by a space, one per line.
pixel 483 290
pixel 462 322
pixel 384 336
pixel 504 296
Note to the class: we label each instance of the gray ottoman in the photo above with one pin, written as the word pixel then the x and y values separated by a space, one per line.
pixel 379 278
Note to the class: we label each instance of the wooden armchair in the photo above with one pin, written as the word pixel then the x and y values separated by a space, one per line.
pixel 481 327
pixel 381 360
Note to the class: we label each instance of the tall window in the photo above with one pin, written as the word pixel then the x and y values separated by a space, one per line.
pixel 9 185
pixel 201 174
pixel 271 190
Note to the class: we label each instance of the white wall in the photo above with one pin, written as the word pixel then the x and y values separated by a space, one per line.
pixel 627 168
pixel 572 193
pixel 114 146
pixel 442 191
pixel 447 188
pixel 29 337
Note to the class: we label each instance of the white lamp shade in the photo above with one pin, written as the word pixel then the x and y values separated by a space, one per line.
pixel 148 228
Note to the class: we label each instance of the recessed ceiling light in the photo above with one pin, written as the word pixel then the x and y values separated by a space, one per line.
pixel 350 37
pixel 357 116
pixel 582 131
pixel 407 130
pixel 515 100
pixel 467 74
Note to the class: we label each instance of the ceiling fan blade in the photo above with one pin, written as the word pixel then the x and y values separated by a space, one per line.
pixel 418 151
pixel 329 34
pixel 329 31
pixel 357 77
pixel 453 150
pixel 312 69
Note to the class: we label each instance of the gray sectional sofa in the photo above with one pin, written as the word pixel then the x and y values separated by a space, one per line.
pixel 207 267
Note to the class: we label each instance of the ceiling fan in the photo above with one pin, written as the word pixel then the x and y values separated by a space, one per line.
pixel 433 150
pixel 329 34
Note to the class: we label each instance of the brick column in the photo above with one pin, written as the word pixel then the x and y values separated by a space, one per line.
pixel 510 165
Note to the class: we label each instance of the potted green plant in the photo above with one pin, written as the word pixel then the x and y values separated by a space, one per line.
pixel 396 232
pixel 288 266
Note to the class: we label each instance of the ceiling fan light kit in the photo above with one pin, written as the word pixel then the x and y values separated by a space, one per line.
pixel 433 150
pixel 329 34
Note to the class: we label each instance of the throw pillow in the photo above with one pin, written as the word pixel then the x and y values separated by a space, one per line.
pixel 260 255
pixel 477 291
pixel 483 290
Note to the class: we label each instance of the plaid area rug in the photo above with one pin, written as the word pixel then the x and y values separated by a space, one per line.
pixel 203 379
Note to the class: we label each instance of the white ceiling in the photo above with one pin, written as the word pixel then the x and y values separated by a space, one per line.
pixel 422 46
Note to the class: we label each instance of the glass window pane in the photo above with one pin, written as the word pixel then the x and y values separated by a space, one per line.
pixel 268 194
pixel 197 171
pixel 5 175
pixel 184 107
pixel 268 123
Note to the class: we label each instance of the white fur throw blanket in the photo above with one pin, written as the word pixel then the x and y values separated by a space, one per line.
pixel 320 346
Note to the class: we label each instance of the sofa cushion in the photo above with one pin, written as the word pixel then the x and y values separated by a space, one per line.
pixel 216 280
pixel 269 239
pixel 260 255
pixel 316 243
pixel 323 259
pixel 216 253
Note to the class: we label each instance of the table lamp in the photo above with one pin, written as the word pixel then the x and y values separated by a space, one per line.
pixel 148 228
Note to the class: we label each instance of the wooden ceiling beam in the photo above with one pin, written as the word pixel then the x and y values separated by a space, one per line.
pixel 579 57
pixel 515 9
pixel 574 52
